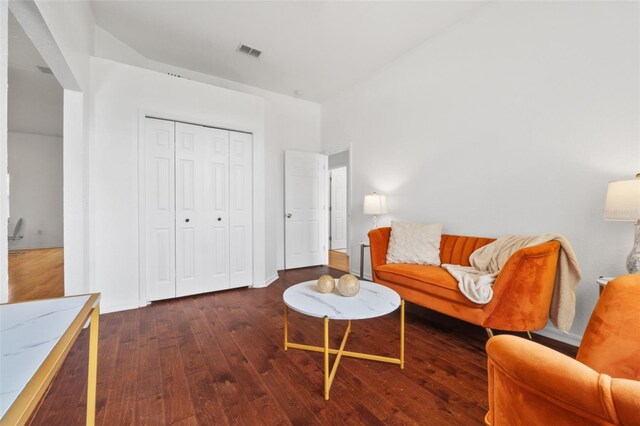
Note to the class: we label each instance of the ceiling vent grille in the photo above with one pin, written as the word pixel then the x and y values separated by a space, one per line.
pixel 177 75
pixel 249 51
pixel 45 70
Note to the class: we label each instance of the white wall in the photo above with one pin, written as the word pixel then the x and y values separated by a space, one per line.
pixel 510 122
pixel 72 25
pixel 109 47
pixel 35 103
pixel 290 123
pixel 120 96
pixel 63 34
pixel 35 165
pixel 35 158
pixel 4 210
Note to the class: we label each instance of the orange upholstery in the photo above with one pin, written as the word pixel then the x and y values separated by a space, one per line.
pixel 432 280
pixel 612 338
pixel 532 384
pixel 522 291
pixel 456 249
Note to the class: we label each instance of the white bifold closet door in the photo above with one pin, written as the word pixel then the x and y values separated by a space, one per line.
pixel 198 209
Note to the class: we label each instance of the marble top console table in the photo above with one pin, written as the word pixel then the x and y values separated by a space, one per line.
pixel 35 338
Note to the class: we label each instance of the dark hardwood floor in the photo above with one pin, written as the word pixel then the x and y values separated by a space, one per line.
pixel 218 359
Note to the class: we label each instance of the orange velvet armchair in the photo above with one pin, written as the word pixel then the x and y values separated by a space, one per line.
pixel 530 384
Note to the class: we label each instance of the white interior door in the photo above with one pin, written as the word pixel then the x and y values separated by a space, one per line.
pixel 338 208
pixel 216 262
pixel 190 216
pixel 241 209
pixel 159 209
pixel 305 209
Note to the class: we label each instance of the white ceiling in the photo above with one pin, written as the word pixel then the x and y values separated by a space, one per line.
pixel 35 100
pixel 317 48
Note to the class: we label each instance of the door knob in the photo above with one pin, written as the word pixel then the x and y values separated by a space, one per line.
pixel 186 220
pixel 219 219
pixel 288 215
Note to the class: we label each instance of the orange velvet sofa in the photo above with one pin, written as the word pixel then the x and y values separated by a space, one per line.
pixel 522 291
pixel 530 384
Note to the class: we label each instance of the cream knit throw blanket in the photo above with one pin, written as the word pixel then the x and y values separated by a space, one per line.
pixel 475 281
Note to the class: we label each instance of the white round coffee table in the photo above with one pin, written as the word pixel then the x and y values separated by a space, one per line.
pixel 373 300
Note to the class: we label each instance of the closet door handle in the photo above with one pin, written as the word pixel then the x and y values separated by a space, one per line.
pixel 186 220
pixel 219 219
pixel 289 215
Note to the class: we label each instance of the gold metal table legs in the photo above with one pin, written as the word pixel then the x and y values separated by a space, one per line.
pixel 330 373
pixel 92 378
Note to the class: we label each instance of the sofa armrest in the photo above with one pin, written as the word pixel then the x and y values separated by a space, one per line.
pixel 379 242
pixel 522 292
pixel 532 384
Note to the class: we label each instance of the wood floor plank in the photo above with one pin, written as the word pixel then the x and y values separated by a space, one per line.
pixel 36 274
pixel 250 376
pixel 177 405
pixel 121 402
pixel 217 359
pixel 149 395
pixel 253 387
pixel 108 348
pixel 207 404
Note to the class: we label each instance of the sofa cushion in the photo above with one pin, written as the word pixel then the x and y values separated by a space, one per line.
pixel 433 280
pixel 414 243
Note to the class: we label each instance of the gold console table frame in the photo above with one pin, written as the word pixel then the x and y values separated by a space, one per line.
pixel 29 399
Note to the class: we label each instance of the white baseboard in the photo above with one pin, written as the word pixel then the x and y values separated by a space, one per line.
pixel 266 282
pixel 367 276
pixel 34 248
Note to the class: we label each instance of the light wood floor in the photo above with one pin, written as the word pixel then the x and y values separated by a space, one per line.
pixel 217 359
pixel 36 274
pixel 339 260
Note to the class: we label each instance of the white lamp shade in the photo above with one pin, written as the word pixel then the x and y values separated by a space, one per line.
pixel 375 204
pixel 623 200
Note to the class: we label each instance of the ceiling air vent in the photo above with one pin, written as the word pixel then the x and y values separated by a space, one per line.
pixel 177 75
pixel 249 51
pixel 45 70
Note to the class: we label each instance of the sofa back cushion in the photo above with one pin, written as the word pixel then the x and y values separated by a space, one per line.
pixel 456 249
pixel 416 243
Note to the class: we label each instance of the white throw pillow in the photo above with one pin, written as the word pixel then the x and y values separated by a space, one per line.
pixel 414 243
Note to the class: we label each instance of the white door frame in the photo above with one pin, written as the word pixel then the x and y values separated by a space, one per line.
pixel 336 150
pixel 257 225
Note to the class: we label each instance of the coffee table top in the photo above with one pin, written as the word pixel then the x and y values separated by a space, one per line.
pixel 373 300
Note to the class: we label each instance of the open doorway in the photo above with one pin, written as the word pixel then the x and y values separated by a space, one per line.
pixel 339 210
pixel 35 166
